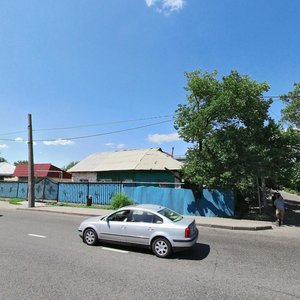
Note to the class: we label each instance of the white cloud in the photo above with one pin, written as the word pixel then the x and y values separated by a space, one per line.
pixel 115 146
pixel 58 142
pixel 120 146
pixel 166 6
pixel 2 146
pixel 163 138
pixel 150 2
pixel 21 140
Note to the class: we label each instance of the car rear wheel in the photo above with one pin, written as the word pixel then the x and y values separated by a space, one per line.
pixel 161 247
pixel 90 237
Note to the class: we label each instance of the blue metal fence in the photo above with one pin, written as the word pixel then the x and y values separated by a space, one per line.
pixel 8 188
pixel 47 189
pixel 102 193
pixel 22 190
pixel 72 192
pixel 211 202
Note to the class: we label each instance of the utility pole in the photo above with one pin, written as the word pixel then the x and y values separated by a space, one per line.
pixel 31 197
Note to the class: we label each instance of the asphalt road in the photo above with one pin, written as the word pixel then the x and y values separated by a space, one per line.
pixel 42 257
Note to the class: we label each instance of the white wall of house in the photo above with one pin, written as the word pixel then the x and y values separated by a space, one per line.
pixel 84 176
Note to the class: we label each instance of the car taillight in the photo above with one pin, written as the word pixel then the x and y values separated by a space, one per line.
pixel 187 232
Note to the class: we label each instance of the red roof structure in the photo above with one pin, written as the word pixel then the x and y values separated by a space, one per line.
pixel 41 171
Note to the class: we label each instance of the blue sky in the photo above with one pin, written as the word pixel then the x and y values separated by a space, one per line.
pixel 97 68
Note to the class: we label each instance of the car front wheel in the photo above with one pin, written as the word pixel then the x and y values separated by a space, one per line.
pixel 161 247
pixel 90 237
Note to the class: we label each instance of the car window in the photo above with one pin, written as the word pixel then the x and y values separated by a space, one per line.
pixel 157 220
pixel 143 216
pixel 119 216
pixel 170 214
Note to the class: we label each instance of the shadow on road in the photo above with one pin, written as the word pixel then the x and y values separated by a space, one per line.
pixel 292 213
pixel 198 252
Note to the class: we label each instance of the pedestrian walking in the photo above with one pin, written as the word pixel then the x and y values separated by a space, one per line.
pixel 274 196
pixel 279 205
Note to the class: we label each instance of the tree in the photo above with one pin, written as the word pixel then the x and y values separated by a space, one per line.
pixel 21 162
pixel 234 139
pixel 294 183
pixel 2 159
pixel 70 165
pixel 291 113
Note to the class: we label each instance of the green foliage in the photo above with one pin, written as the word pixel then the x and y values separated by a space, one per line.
pixel 291 113
pixel 70 165
pixel 120 200
pixel 295 177
pixel 214 105
pixel 234 139
pixel 2 159
pixel 21 162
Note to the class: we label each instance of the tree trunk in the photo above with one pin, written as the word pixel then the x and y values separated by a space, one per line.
pixel 264 191
pixel 258 194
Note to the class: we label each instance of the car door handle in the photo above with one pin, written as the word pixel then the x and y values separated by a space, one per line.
pixel 150 228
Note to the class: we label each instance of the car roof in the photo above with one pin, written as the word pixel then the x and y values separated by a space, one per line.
pixel 152 207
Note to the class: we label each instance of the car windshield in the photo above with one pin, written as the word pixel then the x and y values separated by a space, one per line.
pixel 170 214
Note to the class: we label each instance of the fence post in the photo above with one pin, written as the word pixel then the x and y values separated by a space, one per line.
pixel 57 195
pixel 88 201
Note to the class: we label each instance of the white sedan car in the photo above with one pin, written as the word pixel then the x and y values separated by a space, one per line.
pixel 146 225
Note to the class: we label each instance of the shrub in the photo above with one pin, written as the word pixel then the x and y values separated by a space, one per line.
pixel 120 200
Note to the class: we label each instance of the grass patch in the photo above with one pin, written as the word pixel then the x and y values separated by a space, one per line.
pixel 79 205
pixel 15 201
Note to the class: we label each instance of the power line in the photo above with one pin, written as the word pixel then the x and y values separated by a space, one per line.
pixel 88 125
pixel 101 124
pixel 107 123
pixel 276 97
pixel 94 135
pixel 272 112
pixel 105 133
pixel 14 132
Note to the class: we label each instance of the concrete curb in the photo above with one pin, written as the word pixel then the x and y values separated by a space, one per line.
pixel 58 212
pixel 229 227
pixel 219 226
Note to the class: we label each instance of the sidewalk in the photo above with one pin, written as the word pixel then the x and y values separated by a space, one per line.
pixel 213 222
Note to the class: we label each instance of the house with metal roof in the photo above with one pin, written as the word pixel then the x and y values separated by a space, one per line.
pixel 6 170
pixel 146 166
pixel 41 171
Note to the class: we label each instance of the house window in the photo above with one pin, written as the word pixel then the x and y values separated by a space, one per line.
pixel 128 180
pixel 105 180
pixel 83 180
